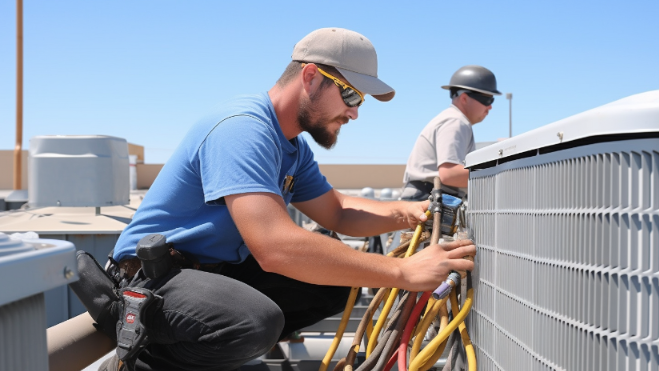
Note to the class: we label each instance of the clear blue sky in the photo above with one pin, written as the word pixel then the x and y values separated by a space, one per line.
pixel 146 70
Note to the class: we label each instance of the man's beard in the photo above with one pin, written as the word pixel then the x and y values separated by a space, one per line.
pixel 309 121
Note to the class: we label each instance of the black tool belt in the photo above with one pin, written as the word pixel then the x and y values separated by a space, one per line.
pixel 128 267
pixel 156 262
pixel 427 187
pixel 121 299
pixel 417 190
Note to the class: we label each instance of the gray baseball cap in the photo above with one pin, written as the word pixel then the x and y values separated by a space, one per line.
pixel 350 53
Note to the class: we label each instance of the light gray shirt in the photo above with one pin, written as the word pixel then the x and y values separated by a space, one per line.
pixel 446 139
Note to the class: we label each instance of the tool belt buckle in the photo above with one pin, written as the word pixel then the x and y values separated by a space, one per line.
pixel 131 333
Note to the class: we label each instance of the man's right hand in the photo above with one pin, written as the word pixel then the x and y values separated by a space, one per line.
pixel 427 269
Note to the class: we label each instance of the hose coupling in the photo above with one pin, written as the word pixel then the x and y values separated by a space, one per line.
pixel 445 288
pixel 435 198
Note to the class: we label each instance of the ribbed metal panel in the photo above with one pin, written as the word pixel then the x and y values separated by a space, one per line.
pixel 568 264
pixel 22 335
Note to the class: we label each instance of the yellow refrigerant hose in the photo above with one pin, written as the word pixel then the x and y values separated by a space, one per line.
pixel 469 347
pixel 351 302
pixel 414 243
pixel 429 356
pixel 419 360
pixel 433 350
pixel 342 327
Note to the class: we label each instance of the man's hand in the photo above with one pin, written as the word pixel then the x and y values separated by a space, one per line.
pixel 415 213
pixel 427 269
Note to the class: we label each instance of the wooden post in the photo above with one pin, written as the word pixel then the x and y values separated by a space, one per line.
pixel 19 96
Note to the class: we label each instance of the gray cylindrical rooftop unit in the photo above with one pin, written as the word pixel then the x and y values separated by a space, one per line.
pixel 80 170
pixel 566 219
pixel 27 269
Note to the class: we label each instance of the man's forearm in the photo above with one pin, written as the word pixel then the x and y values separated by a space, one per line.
pixel 281 246
pixel 318 259
pixel 453 175
pixel 363 217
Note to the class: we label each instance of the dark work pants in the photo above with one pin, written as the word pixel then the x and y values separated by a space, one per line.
pixel 218 321
pixel 416 190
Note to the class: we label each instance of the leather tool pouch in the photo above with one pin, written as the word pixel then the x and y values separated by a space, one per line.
pixel 120 313
pixel 98 293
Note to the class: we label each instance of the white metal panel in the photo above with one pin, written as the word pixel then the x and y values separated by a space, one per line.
pixel 25 274
pixel 568 261
pixel 51 264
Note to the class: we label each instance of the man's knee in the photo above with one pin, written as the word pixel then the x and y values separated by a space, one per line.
pixel 211 308
pixel 209 320
pixel 232 346
pixel 263 327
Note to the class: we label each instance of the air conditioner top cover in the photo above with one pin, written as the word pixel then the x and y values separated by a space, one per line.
pixel 635 114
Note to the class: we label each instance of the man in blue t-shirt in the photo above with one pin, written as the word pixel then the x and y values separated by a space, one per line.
pixel 222 198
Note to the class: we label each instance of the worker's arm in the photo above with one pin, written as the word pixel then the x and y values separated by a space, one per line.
pixel 362 217
pixel 453 139
pixel 453 175
pixel 282 247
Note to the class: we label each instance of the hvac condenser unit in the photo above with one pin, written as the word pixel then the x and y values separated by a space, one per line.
pixel 566 219
pixel 27 269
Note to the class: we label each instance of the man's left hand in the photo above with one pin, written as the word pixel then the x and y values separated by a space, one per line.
pixel 415 213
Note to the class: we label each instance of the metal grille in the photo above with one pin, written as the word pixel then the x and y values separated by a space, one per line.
pixel 568 264
pixel 23 335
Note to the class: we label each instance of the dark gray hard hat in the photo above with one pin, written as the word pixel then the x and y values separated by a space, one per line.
pixel 474 78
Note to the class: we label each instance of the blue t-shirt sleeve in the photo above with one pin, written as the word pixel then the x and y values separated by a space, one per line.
pixel 309 183
pixel 240 155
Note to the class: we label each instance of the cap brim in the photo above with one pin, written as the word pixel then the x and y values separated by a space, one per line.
pixel 369 85
pixel 448 87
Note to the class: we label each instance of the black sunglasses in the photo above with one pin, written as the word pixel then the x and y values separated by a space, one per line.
pixel 351 96
pixel 483 99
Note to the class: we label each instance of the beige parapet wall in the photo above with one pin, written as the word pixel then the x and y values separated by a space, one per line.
pixel 339 176
pixel 135 149
pixel 146 174
pixel 7 169
pixel 360 176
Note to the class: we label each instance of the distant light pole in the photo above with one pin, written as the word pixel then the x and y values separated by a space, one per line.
pixel 509 96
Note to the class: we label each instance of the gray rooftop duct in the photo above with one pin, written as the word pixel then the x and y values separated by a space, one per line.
pixel 80 170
